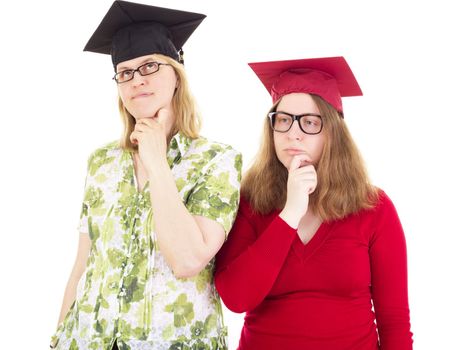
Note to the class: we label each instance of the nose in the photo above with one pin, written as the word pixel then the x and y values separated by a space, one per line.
pixel 138 79
pixel 294 132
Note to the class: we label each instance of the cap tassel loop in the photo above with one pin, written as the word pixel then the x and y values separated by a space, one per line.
pixel 180 57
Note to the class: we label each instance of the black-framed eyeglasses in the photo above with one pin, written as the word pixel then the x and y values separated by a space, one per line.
pixel 309 123
pixel 144 69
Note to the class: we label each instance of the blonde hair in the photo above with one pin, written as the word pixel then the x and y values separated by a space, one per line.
pixel 187 119
pixel 343 184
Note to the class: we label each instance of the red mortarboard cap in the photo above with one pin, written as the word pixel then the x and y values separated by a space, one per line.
pixel 328 77
pixel 130 30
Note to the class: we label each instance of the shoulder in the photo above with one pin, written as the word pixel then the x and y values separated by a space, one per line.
pixel 383 211
pixel 245 206
pixel 203 144
pixel 104 155
pixel 246 209
pixel 107 150
pixel 214 153
pixel 383 202
pixel 379 203
pixel 258 222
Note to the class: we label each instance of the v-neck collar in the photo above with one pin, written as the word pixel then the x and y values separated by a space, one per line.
pixel 177 147
pixel 306 251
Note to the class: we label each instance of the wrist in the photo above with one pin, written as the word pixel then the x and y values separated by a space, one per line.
pixel 290 217
pixel 158 170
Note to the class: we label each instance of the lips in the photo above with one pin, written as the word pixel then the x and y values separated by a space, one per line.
pixel 294 151
pixel 142 95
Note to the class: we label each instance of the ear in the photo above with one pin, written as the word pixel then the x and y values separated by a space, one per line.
pixel 177 84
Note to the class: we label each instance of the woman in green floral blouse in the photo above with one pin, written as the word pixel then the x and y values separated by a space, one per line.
pixel 157 205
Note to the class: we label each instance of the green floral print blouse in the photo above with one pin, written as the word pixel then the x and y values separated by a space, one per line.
pixel 128 294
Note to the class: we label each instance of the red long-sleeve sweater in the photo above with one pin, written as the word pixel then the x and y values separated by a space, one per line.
pixel 320 295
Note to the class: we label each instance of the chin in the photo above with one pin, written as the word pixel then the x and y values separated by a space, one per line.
pixel 140 112
pixel 143 114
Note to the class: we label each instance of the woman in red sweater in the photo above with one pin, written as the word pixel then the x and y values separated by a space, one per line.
pixel 317 255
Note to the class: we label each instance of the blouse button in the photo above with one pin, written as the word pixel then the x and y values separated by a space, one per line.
pixel 119 335
pixel 133 236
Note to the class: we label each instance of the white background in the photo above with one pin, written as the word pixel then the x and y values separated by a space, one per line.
pixel 58 104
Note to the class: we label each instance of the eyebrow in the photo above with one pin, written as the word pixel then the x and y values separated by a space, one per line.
pixel 149 59
pixel 302 114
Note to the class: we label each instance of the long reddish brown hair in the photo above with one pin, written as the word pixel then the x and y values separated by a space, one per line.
pixel 343 184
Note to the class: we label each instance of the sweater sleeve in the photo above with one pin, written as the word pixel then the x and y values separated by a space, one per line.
pixel 388 259
pixel 249 262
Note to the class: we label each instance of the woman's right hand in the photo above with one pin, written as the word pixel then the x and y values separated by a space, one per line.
pixel 302 181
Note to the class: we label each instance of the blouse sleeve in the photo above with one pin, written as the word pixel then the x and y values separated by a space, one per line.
pixel 216 194
pixel 83 224
pixel 388 259
pixel 249 262
pixel 93 195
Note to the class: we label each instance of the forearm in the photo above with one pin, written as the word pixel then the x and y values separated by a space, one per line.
pixel 246 270
pixel 179 237
pixel 68 297
pixel 79 267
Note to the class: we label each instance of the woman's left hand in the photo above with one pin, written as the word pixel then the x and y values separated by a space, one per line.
pixel 151 136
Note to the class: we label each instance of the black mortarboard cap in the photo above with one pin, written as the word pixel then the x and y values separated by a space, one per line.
pixel 130 30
